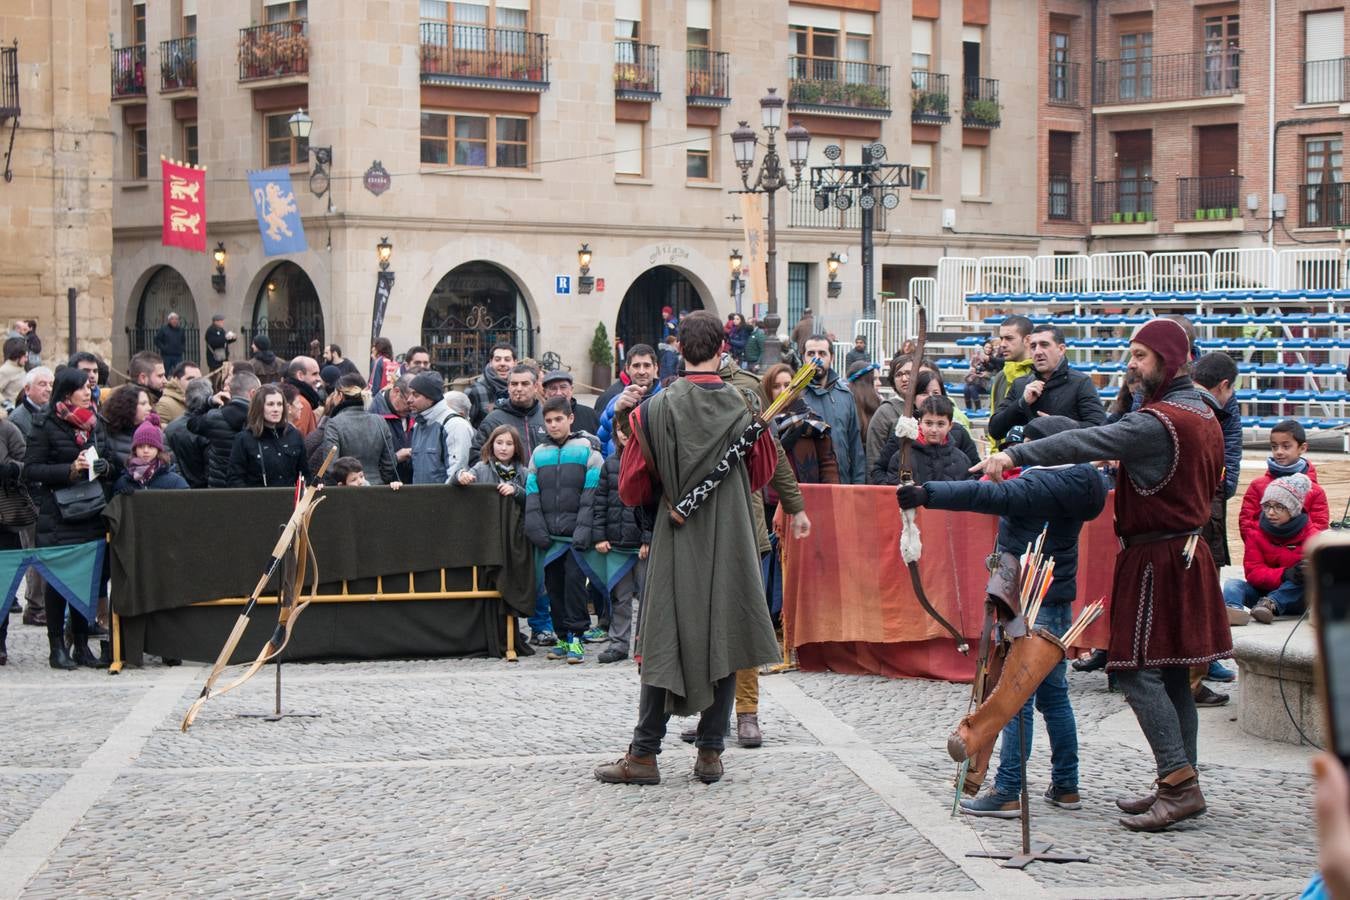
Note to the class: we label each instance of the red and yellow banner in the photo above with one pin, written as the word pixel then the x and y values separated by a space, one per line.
pixel 184 205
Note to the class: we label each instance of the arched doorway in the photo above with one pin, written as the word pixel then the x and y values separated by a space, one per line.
pixel 287 310
pixel 473 307
pixel 165 292
pixel 640 313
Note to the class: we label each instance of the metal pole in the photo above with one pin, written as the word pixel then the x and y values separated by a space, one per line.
pixel 772 346
pixel 869 305
pixel 70 314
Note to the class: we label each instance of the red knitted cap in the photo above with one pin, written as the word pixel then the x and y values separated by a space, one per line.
pixel 1169 340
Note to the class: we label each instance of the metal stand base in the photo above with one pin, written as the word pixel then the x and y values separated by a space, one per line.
pixel 1037 851
pixel 276 715
pixel 1025 857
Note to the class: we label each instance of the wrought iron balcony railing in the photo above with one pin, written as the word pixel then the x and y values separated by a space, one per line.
pixel 637 71
pixel 706 82
pixel 278 50
pixel 1324 80
pixel 829 84
pixel 178 64
pixel 1208 198
pixel 1123 202
pixel 1323 205
pixel 979 102
pixel 929 99
pixel 9 83
pixel 1061 205
pixel 1171 77
pixel 1063 84
pixel 469 54
pixel 128 72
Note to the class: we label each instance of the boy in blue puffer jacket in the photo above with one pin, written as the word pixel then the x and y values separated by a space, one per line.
pixel 559 492
pixel 1062 498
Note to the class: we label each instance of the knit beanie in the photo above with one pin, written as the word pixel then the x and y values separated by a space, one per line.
pixel 1169 340
pixel 329 375
pixel 1289 492
pixel 431 386
pixel 149 435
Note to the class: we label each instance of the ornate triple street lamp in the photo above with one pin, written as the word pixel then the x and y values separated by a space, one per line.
pixel 770 178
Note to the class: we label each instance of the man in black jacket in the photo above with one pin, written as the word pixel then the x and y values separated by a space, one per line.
pixel 170 342
pixel 522 411
pixel 559 384
pixel 218 342
pixel 190 449
pixel 1051 389
pixel 219 426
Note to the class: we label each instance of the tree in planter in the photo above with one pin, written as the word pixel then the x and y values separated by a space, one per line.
pixel 602 357
pixel 985 112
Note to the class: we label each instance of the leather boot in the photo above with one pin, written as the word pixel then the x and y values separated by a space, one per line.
pixel 104 654
pixel 59 659
pixel 1179 798
pixel 80 652
pixel 1136 805
pixel 747 730
pixel 631 769
pixel 708 766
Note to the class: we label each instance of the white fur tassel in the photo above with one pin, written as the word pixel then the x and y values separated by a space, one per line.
pixel 910 546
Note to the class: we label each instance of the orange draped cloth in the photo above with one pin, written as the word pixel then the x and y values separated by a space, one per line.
pixel 849 604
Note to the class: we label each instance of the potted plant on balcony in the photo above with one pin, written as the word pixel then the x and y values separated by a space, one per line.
pixel 1201 215
pixel 602 356
pixel 983 112
pixel 1117 217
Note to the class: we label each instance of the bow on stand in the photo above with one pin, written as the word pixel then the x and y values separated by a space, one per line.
pixel 908 429
pixel 294 548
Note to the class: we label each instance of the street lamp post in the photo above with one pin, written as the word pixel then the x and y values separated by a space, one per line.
pixel 320 179
pixel 769 180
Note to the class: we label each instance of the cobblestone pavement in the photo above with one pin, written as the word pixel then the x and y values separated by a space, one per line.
pixel 472 778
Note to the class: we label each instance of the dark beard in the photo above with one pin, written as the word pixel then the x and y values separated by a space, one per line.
pixel 1150 384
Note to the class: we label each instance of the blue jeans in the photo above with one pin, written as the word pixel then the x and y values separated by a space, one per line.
pixel 1288 597
pixel 1052 698
pixel 542 620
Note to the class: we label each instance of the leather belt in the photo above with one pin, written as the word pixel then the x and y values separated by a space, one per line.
pixel 1151 537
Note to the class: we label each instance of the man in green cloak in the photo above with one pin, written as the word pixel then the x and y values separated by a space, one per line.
pixel 703 612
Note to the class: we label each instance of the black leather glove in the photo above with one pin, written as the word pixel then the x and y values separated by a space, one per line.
pixel 1294 573
pixel 911 496
pixel 101 467
pixel 10 472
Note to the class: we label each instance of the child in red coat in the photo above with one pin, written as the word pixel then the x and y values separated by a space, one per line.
pixel 1273 555
pixel 1288 443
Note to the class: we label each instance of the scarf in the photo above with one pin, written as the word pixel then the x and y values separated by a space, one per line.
pixel 496 385
pixel 1288 531
pixel 142 470
pixel 82 420
pixel 1298 467
pixel 307 391
pixel 507 473
pixel 796 422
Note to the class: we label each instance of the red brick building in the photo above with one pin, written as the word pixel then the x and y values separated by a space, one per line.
pixel 1157 126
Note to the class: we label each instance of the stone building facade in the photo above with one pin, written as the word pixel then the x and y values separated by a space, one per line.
pixel 516 130
pixel 56 201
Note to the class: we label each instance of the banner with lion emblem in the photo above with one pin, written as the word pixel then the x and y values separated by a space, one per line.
pixel 278 212
pixel 184 205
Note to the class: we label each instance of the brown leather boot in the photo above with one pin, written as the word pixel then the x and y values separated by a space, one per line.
pixel 747 730
pixel 631 769
pixel 1179 798
pixel 1136 805
pixel 708 766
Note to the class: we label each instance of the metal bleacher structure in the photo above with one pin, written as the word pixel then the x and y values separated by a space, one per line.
pixel 1282 315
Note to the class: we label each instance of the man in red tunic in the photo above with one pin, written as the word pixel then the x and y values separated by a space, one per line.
pixel 1166 607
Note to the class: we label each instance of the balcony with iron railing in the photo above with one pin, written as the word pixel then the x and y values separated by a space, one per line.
pixel 979 102
pixel 9 83
pixel 475 56
pixel 929 98
pixel 1061 205
pixel 1125 201
pixel 277 50
pixel 128 72
pixel 1324 205
pixel 1325 80
pixel 1063 84
pixel 1209 198
pixel 637 71
pixel 839 87
pixel 803 212
pixel 706 82
pixel 1169 78
pixel 178 64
